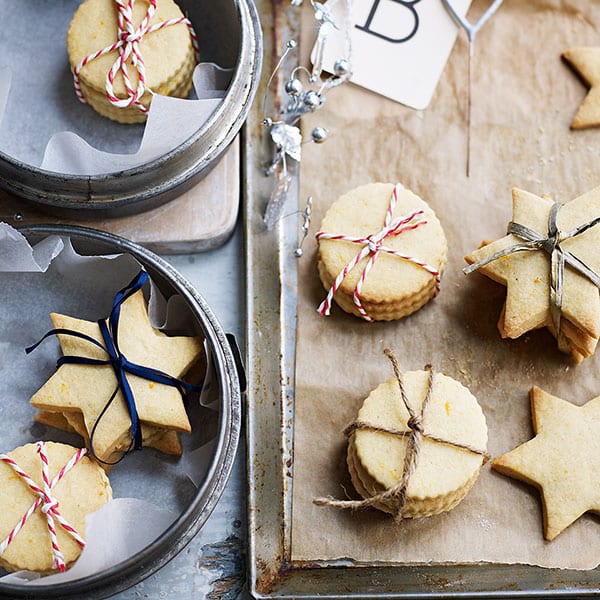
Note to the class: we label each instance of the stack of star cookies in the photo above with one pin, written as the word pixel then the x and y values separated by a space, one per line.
pixel 168 55
pixel 528 274
pixel 401 265
pixel 76 398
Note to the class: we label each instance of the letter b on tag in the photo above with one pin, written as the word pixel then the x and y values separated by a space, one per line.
pixel 395 21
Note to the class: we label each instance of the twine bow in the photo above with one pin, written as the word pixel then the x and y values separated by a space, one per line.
pixel 373 246
pixel 128 45
pixel 120 364
pixel 415 433
pixel 551 244
pixel 48 503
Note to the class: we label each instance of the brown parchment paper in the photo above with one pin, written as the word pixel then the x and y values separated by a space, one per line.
pixel 524 99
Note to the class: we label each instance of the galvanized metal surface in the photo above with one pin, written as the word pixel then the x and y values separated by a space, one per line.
pixel 152 184
pixel 271 315
pixel 168 545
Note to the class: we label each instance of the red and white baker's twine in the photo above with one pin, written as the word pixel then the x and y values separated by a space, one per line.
pixel 49 504
pixel 128 45
pixel 373 245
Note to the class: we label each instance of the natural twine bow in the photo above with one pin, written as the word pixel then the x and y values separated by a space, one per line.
pixel 550 244
pixel 128 45
pixel 415 434
pixel 373 246
pixel 49 504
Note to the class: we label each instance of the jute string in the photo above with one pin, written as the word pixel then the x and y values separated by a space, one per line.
pixel 415 434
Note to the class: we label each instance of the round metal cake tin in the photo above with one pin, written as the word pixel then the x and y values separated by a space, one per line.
pixel 236 27
pixel 189 522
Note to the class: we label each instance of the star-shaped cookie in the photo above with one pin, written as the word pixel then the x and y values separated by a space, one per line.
pixel 526 275
pixel 87 388
pixel 562 460
pixel 586 63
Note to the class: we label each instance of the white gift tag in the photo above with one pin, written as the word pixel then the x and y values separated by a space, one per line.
pixel 399 47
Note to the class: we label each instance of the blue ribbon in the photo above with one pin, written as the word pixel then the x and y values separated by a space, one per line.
pixel 119 363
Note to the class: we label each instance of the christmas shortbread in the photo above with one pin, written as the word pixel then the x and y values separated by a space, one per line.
pixel 586 63
pixel 381 253
pixel 416 447
pixel 46 492
pixel 562 460
pixel 136 396
pixel 122 53
pixel 549 263
pixel 164 440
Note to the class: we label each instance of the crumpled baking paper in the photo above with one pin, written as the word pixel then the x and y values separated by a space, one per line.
pixel 170 122
pixel 524 98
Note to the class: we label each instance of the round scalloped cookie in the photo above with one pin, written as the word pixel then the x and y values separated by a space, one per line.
pixel 82 491
pixel 394 287
pixel 444 472
pixel 168 55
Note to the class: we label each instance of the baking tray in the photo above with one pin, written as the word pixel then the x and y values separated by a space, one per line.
pixel 271 323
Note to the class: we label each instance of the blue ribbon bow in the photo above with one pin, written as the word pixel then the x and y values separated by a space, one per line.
pixel 119 363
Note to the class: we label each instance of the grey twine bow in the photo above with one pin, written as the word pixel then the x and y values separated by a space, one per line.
pixel 558 257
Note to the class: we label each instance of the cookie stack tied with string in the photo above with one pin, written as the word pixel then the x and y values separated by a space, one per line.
pixel 416 447
pixel 122 52
pixel 550 264
pixel 118 382
pixel 382 251
pixel 46 491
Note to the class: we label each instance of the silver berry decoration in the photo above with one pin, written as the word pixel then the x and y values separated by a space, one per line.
pixel 319 135
pixel 341 67
pixel 293 87
pixel 267 121
pixel 312 100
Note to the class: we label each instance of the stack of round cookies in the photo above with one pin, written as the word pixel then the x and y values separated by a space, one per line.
pixel 47 490
pixel 401 246
pixel 449 452
pixel 168 56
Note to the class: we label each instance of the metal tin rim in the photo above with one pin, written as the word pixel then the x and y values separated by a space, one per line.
pixel 124 189
pixel 185 527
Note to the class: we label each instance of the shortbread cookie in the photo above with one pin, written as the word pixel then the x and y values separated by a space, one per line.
pixel 168 54
pixel 163 440
pixel 528 277
pixel 449 428
pixel 82 490
pixel 88 388
pixel 404 252
pixel 586 63
pixel 562 460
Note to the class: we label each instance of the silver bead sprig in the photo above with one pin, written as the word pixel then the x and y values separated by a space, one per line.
pixel 17 217
pixel 305 92
pixel 306 216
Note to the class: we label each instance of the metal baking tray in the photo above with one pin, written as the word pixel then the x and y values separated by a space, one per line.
pixel 271 322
